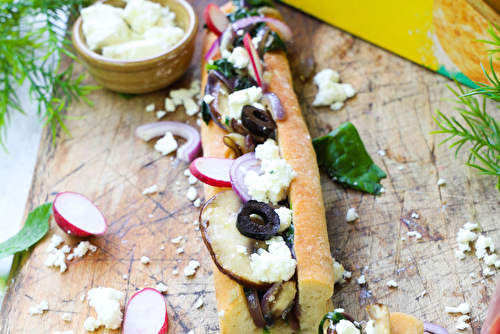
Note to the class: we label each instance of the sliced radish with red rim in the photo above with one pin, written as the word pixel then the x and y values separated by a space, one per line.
pixel 212 171
pixel 146 313
pixel 216 21
pixel 257 67
pixel 77 215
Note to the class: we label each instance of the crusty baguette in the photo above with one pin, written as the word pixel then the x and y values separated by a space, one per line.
pixel 314 262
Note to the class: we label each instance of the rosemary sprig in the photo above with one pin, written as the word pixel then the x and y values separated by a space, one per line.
pixel 32 45
pixel 479 129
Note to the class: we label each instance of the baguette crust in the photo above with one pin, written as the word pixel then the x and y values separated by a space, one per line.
pixel 314 262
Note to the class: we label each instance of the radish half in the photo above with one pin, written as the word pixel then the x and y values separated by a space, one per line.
pixel 212 171
pixel 77 215
pixel 146 313
pixel 216 21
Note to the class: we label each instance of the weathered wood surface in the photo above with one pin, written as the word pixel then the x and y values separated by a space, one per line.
pixel 392 111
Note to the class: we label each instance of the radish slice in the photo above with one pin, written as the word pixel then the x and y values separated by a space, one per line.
pixel 146 313
pixel 238 171
pixel 284 31
pixel 186 152
pixel 77 215
pixel 254 59
pixel 216 21
pixel 212 171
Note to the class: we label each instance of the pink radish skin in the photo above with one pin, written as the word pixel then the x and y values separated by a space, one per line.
pixel 146 313
pixel 254 59
pixel 77 215
pixel 212 171
pixel 216 21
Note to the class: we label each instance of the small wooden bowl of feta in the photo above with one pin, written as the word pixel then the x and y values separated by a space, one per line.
pixel 138 46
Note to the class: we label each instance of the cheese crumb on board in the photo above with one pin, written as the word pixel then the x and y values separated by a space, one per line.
pixel 160 114
pixel 66 317
pixel 150 107
pixel 167 144
pixel 39 309
pixel 463 308
pixel 361 280
pixel 192 194
pixel 106 302
pixel 161 287
pixel 169 105
pixel 145 260
pixel 177 240
pixel 197 203
pixel 441 182
pixel 180 250
pixel 198 303
pixel 414 234
pixel 190 270
pixel 150 190
pixel 392 284
pixel 351 215
pixel 330 91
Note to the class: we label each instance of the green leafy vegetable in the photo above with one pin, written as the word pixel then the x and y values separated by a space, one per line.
pixel 36 226
pixel 243 83
pixel 241 13
pixel 266 331
pixel 32 45
pixel 289 234
pixel 222 65
pixel 276 44
pixel 333 316
pixel 206 114
pixel 478 128
pixel 344 156
pixel 253 3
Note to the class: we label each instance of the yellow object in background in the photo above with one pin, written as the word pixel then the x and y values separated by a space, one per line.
pixel 438 34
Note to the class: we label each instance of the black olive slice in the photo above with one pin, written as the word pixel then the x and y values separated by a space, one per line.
pixel 258 121
pixel 258 220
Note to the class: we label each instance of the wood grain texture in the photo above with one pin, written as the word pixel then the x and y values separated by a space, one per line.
pixel 392 111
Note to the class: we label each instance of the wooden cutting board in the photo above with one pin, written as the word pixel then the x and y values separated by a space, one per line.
pixel 392 111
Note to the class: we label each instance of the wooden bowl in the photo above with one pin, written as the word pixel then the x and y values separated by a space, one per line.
pixel 144 75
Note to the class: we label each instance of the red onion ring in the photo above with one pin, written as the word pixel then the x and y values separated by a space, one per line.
pixel 186 152
pixel 213 49
pixel 434 329
pixel 273 103
pixel 238 170
pixel 284 31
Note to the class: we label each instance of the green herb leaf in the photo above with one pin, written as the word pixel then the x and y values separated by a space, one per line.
pixel 276 44
pixel 334 317
pixel 206 113
pixel 35 227
pixel 222 65
pixel 127 96
pixel 344 156
pixel 289 234
pixel 243 83
pixel 241 13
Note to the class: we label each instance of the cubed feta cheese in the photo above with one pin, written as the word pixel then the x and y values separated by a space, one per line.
pixel 145 260
pixel 239 58
pixel 192 194
pixel 167 144
pixel 285 216
pixel 190 270
pixel 142 15
pixel 351 215
pixel 361 280
pixel 241 98
pixel 275 264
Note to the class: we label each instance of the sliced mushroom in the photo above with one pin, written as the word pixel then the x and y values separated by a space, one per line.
pixel 239 144
pixel 278 301
pixel 254 307
pixel 381 315
pixel 220 106
pixel 222 238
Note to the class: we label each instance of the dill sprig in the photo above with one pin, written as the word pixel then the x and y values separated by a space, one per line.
pixel 33 41
pixel 478 128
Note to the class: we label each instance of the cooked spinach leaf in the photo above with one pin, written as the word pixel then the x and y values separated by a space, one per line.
pixel 276 43
pixel 289 234
pixel 241 13
pixel 206 113
pixel 244 83
pixel 343 155
pixel 36 226
pixel 222 65
pixel 333 316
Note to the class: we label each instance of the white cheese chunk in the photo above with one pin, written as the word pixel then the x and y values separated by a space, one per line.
pixel 490 259
pixel 150 107
pixel 241 249
pixel 267 151
pixel 160 114
pixel 39 309
pixel 465 236
pixel 145 260
pixel 441 182
pixel 169 105
pixel 242 98
pixel 463 308
pixel 141 15
pixel 462 325
pixel 91 324
pixel 285 216
pixel 190 270
pixel 197 203
pixel 415 234
pixel 351 215
pixel 104 25
pixel 239 58
pixel 81 249
pixel 168 36
pixel 167 144
pixel 471 226
pixel 370 327
pixel 392 284
pixel 192 194
pixel 177 240
pixel 275 264
pixel 161 287
pixel 346 327
pixel 150 190
pixel 361 280
pixel 208 99
pixel 66 317
pixel 133 50
pixel 338 272
pixel 198 303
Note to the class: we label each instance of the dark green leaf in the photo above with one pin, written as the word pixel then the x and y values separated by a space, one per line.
pixel 222 65
pixel 289 234
pixel 243 83
pixel 35 227
pixel 334 317
pixel 127 96
pixel 276 44
pixel 206 113
pixel 241 13
pixel 343 155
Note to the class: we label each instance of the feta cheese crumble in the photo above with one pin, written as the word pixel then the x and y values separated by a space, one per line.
pixel 177 240
pixel 241 249
pixel 463 308
pixel 392 284
pixel 414 234
pixel 150 107
pixel 338 272
pixel 106 302
pixel 274 264
pixel 239 58
pixel 55 241
pixel 197 203
pixel 278 174
pixel 161 287
pixel 361 280
pixel 346 327
pixel 441 182
pixel 169 105
pixel 167 144
pixel 285 216
pixel 351 215
pixel 190 270
pixel 242 98
pixel 192 194
pixel 66 317
pixel 150 190
pixel 331 92
pixel 145 260
pixel 198 303
pixel 39 309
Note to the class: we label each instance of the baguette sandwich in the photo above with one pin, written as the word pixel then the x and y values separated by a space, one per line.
pixel 265 226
